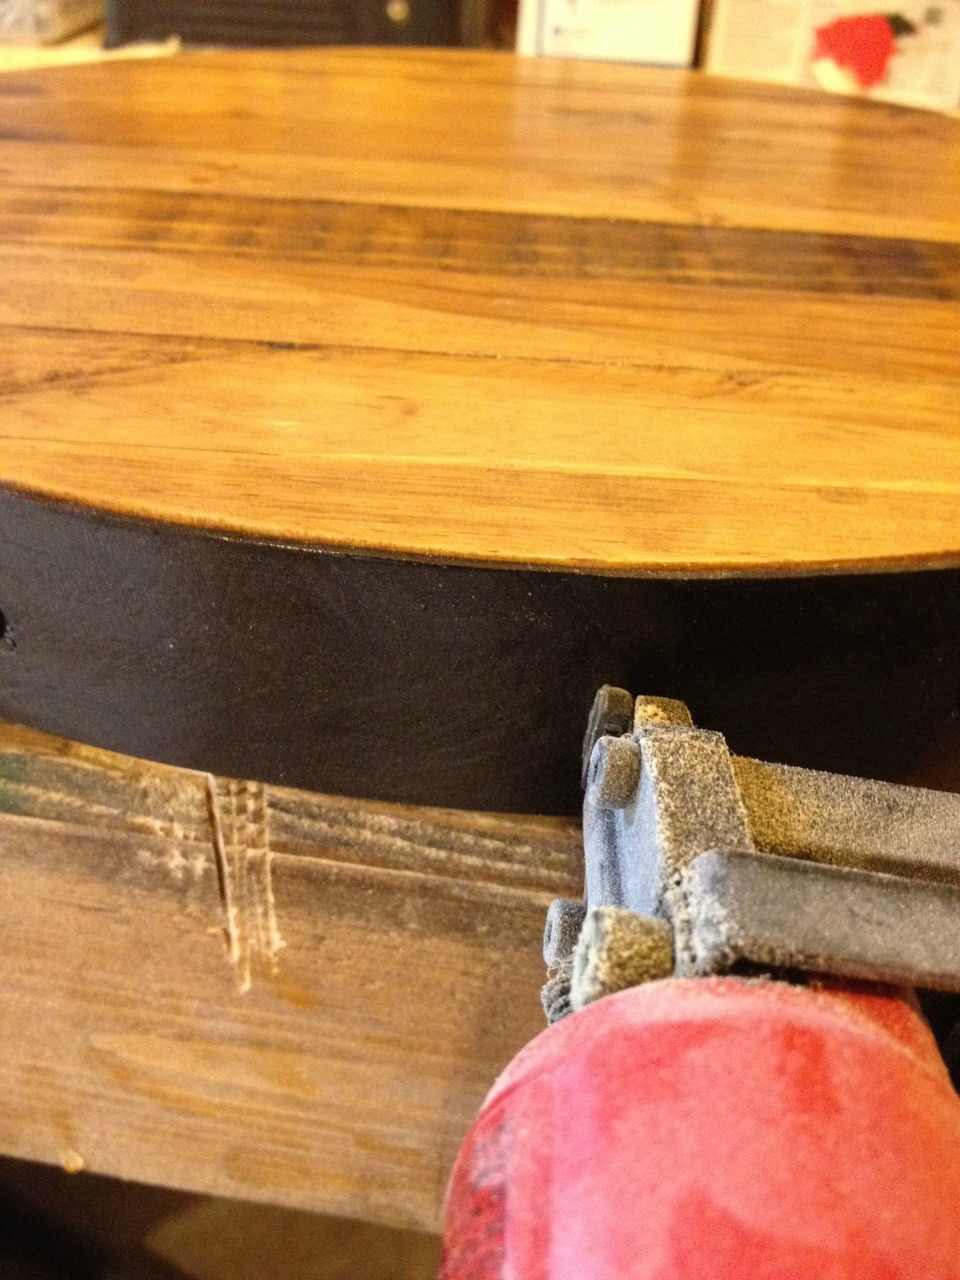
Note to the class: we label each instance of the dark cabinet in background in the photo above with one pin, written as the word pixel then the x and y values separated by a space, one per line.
pixel 251 23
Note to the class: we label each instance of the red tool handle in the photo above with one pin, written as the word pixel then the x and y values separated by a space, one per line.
pixel 715 1129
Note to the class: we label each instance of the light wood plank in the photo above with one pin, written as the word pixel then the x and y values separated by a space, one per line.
pixel 106 302
pixel 489 131
pixel 502 443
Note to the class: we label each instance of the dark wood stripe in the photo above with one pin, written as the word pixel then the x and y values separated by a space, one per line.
pixel 384 237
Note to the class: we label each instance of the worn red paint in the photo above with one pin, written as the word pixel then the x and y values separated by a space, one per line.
pixel 715 1130
pixel 863 45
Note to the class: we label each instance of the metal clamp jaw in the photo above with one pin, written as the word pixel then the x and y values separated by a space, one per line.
pixel 701 862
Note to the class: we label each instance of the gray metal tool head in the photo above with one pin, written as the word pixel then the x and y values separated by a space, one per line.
pixel 752 866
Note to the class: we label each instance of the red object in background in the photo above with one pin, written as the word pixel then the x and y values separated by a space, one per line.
pixel 862 45
pixel 715 1129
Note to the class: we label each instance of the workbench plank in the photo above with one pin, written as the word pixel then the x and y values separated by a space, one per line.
pixel 476 130
pixel 494 310
pixel 256 992
pixel 133 299
pixel 408 433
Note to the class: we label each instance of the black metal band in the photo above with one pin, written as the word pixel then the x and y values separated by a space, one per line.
pixel 442 684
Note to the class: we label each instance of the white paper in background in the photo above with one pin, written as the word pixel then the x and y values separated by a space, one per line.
pixel 41 21
pixel 655 31
pixel 774 39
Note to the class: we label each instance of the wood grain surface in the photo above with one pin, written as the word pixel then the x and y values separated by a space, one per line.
pixel 305 1010
pixel 467 306
pixel 255 992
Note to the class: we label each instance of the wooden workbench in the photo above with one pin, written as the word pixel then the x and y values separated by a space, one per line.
pixel 254 992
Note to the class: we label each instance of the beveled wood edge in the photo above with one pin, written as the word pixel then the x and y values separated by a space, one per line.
pixel 680 571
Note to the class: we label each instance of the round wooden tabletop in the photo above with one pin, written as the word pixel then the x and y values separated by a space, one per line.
pixel 484 309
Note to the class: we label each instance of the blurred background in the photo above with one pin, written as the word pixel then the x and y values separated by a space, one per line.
pixel 907 53
pixel 56 1225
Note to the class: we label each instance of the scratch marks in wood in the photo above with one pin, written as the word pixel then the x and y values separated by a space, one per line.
pixel 344 1083
pixel 224 878
pixel 209 851
pixel 242 854
pixel 187 823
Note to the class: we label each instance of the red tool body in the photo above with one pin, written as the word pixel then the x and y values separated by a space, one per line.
pixel 738 1083
pixel 715 1129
